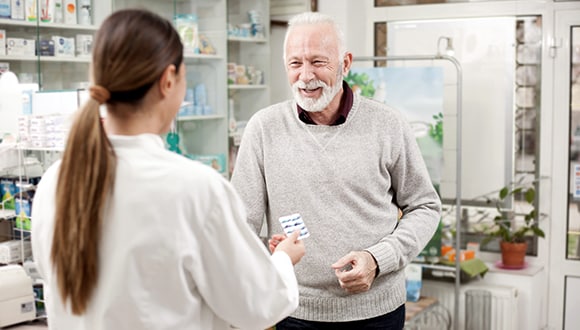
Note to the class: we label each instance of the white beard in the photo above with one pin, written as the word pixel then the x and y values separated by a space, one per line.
pixel 328 93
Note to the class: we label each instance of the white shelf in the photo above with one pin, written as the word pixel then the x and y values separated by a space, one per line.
pixel 41 149
pixel 247 39
pixel 200 117
pixel 58 26
pixel 239 87
pixel 54 59
pixel 188 57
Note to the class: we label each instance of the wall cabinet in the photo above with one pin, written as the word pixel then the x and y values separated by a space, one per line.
pixel 33 50
pixel 52 50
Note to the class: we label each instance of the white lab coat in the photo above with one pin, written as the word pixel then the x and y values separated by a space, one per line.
pixel 176 251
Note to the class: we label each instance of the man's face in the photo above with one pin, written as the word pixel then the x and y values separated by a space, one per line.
pixel 313 66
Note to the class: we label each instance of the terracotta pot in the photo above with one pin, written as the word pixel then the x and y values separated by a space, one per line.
pixel 513 254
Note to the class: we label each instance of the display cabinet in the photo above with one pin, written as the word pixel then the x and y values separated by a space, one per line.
pixel 248 67
pixel 49 46
pixel 53 51
pixel 201 124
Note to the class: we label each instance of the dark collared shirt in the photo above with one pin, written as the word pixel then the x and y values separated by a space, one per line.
pixel 343 110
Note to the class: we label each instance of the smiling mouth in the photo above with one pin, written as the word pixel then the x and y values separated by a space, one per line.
pixel 310 91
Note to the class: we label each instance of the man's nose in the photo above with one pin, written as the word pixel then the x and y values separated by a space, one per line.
pixel 307 72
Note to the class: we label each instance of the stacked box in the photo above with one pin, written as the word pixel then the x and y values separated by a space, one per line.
pixel 49 131
pixel 24 130
pixel 20 46
pixel 11 251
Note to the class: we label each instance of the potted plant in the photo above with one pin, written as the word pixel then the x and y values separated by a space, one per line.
pixel 508 226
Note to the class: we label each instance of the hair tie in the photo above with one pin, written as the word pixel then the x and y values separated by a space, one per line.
pixel 99 93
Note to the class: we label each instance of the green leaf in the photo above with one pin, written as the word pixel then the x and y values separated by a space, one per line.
pixel 503 192
pixel 530 195
pixel 538 232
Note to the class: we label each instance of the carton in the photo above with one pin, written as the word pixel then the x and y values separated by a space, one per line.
pixel 69 11
pixel 20 47
pixel 5 9
pixel 17 9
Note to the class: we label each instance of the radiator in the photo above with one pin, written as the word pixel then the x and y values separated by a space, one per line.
pixel 504 302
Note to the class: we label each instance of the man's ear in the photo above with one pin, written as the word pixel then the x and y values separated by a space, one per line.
pixel 167 80
pixel 346 63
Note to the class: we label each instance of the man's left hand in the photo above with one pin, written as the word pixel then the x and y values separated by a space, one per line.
pixel 355 271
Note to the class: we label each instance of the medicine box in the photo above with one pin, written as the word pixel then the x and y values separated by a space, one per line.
pixel 45 47
pixel 20 46
pixel 17 9
pixel 64 46
pixel 5 11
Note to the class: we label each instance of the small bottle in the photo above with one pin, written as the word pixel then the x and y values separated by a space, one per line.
pixel 232 124
pixel 84 12
pixel 58 11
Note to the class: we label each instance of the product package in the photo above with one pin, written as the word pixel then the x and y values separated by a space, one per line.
pixel 30 10
pixel 413 276
pixel 69 12
pixel 84 44
pixel 17 9
pixel 47 11
pixel 19 46
pixel 2 42
pixel 5 10
pixel 187 27
pixel 63 46
pixel 45 47
pixel 293 222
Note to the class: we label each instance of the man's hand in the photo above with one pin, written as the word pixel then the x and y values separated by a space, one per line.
pixel 355 271
pixel 274 241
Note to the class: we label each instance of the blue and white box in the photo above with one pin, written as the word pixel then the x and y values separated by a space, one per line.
pixel 5 10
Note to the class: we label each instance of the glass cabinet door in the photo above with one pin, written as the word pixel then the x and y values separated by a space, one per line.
pixel 564 232
pixel 573 246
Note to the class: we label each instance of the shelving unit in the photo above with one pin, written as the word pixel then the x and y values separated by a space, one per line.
pixel 51 72
pixel 248 65
pixel 18 221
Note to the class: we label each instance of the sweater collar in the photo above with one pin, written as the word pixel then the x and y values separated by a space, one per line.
pixel 344 108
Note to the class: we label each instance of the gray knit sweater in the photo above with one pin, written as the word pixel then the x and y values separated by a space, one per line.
pixel 346 181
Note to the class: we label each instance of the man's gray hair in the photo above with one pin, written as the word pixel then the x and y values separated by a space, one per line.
pixel 315 18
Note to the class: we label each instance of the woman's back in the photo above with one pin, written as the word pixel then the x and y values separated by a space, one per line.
pixel 175 251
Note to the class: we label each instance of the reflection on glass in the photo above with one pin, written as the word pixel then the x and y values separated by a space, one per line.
pixel 387 3
pixel 574 200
